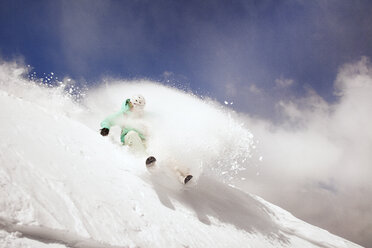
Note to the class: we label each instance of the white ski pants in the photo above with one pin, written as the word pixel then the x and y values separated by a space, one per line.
pixel 134 142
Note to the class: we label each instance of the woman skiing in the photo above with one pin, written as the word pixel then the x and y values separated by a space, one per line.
pixel 133 132
pixel 129 118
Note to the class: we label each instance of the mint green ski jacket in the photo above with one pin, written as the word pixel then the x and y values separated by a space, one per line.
pixel 113 119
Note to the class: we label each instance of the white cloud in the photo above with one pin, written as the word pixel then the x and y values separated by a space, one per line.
pixel 254 89
pixel 283 82
pixel 318 163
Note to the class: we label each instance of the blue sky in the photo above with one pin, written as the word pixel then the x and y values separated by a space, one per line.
pixel 223 49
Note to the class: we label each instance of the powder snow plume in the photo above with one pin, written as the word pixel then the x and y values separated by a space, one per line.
pixel 198 133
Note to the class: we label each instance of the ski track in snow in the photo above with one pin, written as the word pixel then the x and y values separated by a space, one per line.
pixel 63 185
pixel 52 236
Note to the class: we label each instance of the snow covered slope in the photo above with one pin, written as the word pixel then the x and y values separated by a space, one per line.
pixel 63 185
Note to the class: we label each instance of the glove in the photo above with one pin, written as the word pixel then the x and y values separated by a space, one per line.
pixel 105 131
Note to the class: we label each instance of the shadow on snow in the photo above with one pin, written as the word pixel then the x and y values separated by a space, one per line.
pixel 210 198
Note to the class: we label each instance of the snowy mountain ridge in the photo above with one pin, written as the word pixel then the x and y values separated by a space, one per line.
pixel 63 185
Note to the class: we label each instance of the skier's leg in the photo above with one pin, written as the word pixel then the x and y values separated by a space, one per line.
pixel 182 175
pixel 134 142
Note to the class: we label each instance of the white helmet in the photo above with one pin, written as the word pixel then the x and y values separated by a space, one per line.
pixel 138 101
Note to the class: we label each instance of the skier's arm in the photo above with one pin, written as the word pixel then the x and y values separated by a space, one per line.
pixel 108 122
pixel 111 120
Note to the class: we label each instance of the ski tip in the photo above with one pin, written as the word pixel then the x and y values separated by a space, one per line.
pixel 150 161
pixel 187 178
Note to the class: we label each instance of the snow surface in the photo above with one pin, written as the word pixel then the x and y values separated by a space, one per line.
pixel 64 185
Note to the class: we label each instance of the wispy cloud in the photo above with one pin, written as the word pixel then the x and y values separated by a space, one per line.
pixel 254 89
pixel 283 82
pixel 317 163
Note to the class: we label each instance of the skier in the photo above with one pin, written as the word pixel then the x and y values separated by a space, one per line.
pixel 133 133
pixel 127 117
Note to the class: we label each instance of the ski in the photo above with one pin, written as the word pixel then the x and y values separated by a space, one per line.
pixel 151 161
